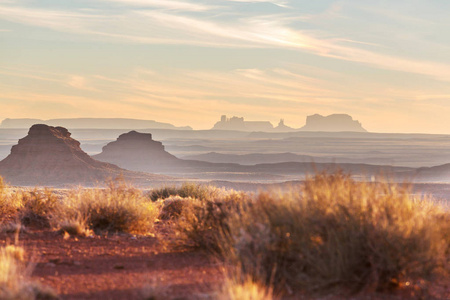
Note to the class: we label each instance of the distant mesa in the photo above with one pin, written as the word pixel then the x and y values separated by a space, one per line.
pixel 239 124
pixel 49 156
pixel 332 123
pixel 90 123
pixel 136 151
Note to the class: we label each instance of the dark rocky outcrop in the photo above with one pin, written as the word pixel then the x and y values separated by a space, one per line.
pixel 49 156
pixel 137 151
pixel 332 123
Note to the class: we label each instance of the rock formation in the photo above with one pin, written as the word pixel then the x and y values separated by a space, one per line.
pixel 137 151
pixel 49 156
pixel 240 124
pixel 283 128
pixel 332 123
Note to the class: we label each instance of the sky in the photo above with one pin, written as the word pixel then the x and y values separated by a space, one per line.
pixel 385 63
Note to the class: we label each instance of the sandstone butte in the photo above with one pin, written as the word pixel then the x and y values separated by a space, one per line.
pixel 50 156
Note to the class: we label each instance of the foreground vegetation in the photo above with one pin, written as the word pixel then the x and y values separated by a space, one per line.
pixel 331 234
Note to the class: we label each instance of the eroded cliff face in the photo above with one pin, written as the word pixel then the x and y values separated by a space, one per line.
pixel 48 155
pixel 332 123
pixel 137 151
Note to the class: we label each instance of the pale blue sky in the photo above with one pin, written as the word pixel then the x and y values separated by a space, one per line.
pixel 386 63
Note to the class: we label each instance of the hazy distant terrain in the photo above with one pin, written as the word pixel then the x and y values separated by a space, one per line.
pixel 99 123
pixel 408 150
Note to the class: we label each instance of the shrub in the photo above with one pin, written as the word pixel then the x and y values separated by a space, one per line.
pixel 75 226
pixel 335 232
pixel 10 201
pixel 118 208
pixel 202 221
pixel 172 207
pixel 37 206
pixel 187 190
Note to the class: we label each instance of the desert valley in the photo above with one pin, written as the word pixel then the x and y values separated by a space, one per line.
pixel 224 150
pixel 151 239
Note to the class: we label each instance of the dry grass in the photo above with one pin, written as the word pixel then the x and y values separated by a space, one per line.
pixel 15 282
pixel 10 202
pixel 37 206
pixel 240 286
pixel 198 223
pixel 119 208
pixel 30 207
pixel 329 233
pixel 334 232
pixel 187 190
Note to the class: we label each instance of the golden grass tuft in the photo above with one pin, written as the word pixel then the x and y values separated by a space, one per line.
pixel 187 190
pixel 329 233
pixel 334 232
pixel 15 282
pixel 119 208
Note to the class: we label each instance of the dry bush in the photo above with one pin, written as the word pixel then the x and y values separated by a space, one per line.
pixel 10 201
pixel 30 207
pixel 37 207
pixel 74 226
pixel 172 207
pixel 202 221
pixel 187 190
pixel 15 282
pixel 118 208
pixel 335 232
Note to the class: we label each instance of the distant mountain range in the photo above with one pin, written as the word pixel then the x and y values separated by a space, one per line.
pixel 331 123
pixel 90 123
pixel 50 156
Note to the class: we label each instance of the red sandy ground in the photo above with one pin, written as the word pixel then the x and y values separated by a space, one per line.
pixel 123 267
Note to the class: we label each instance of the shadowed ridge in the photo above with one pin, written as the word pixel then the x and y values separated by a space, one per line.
pixel 137 151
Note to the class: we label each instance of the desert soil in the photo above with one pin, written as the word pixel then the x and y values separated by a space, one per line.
pixel 123 266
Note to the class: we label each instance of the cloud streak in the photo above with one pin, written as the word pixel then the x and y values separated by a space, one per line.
pixel 162 26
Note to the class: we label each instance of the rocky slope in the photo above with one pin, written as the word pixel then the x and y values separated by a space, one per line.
pixel 137 151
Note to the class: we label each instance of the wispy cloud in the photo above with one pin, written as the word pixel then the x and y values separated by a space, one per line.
pixel 167 24
pixel 254 93
pixel 166 4
pixel 280 3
